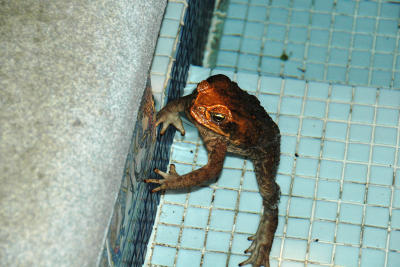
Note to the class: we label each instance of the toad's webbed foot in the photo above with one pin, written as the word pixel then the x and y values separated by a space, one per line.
pixel 169 181
pixel 167 117
pixel 262 240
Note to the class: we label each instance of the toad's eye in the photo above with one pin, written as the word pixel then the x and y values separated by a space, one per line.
pixel 217 117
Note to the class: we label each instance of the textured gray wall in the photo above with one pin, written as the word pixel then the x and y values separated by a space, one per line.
pixel 72 75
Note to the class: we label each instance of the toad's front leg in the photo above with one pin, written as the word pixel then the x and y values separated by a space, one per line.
pixel 173 180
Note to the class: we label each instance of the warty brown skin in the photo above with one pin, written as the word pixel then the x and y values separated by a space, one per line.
pixel 230 120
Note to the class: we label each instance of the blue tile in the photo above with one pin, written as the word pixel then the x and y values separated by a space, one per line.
pixel 367 8
pixel 338 111
pixel 318 90
pixel 271 65
pixel 345 7
pixel 324 5
pixel 284 182
pixel 365 25
pixel 383 155
pixel 372 257
pixel 295 51
pixel 381 175
pixel 328 190
pixel 196 217
pixel 163 256
pixel 227 58
pixel 237 11
pixel 229 42
pixel 331 169
pixel 390 10
pixel 213 259
pixel 169 28
pixel 302 4
pixel 312 127
pixel 276 32
pixel 396 199
pixel 269 102
pixel 251 46
pixel 336 130
pixel 365 95
pixel 281 3
pixel 286 164
pixel 346 255
pixel 171 214
pixel 341 39
pixel 278 15
pixel 273 48
pixel 306 167
pixel 300 207
pixel 389 98
pixel 394 240
pixel 167 234
pixel 360 58
pixel 291 105
pixel 338 56
pixel 303 187
pixel 283 205
pixel 320 252
pixel 233 27
pixel 293 68
pixel 325 210
pixel 386 116
pixel 378 195
pixel 342 93
pixel 197 74
pixel 225 199
pixel 270 85
pixel 234 260
pixel 250 182
pixel 160 64
pixel 320 37
pixel 298 228
pixel 221 220
pixel 396 82
pixel 298 34
pixel 250 202
pixel 248 62
pixel 376 216
pixel 343 22
pixel 388 27
pixel 358 76
pixel 333 150
pixel 218 241
pixel 314 71
pixel 188 258
pixel 323 231
pixel 176 198
pixel 383 61
pixel 257 13
pixel 300 18
pixel 230 178
pixel 247 222
pixel 202 156
pixel 358 152
pixel 351 213
pixel 353 192
pixel 192 238
pixel 201 197
pixel 355 172
pixel 337 74
pixel 294 249
pixel 362 114
pixel 362 41
pixel 294 87
pixel 173 11
pixel 360 133
pixel 233 162
pixel 164 46
pixel 395 223
pixel 348 234
pixel 288 144
pixel 317 53
pixel 393 258
pixel 321 20
pixel 385 136
pixel 315 108
pixel 240 243
pixel 253 29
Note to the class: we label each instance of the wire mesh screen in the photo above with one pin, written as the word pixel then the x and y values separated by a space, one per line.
pixel 136 207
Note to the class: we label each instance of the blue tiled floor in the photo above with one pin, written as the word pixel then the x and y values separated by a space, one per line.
pixel 339 118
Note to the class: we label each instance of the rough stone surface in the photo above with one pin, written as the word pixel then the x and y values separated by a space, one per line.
pixel 72 74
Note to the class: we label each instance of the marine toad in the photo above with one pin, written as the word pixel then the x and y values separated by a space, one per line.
pixel 230 120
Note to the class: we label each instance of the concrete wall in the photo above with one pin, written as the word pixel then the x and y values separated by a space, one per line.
pixel 72 75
